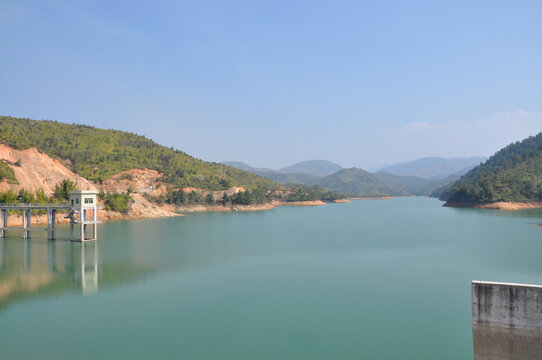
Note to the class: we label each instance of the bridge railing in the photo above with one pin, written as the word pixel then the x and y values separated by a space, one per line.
pixel 23 205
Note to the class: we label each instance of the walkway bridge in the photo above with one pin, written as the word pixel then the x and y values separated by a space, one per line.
pixel 79 210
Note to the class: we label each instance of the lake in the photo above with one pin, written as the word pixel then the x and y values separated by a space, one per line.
pixel 372 279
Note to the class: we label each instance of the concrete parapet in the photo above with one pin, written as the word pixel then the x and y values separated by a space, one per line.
pixel 506 321
pixel 507 305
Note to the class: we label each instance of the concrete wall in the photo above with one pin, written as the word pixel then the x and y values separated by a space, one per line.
pixel 507 305
pixel 506 321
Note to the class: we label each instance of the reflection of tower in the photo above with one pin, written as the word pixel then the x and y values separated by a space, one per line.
pixel 3 253
pixel 89 267
pixel 28 267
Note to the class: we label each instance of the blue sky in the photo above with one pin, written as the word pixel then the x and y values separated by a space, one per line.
pixel 360 83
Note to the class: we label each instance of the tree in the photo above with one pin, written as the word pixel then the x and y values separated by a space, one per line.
pixel 26 196
pixel 41 197
pixel 194 197
pixel 62 191
pixel 116 201
pixel 209 199
pixel 225 199
pixel 8 197
pixel 176 197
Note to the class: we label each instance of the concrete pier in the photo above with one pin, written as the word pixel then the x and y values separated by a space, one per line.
pixel 506 321
pixel 82 202
pixel 26 218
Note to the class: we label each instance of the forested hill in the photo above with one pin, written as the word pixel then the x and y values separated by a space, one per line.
pixel 97 154
pixel 351 181
pixel 359 182
pixel 416 185
pixel 513 174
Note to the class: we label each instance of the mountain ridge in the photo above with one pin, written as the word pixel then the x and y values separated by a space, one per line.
pixel 433 167
pixel 395 185
pixel 311 167
pixel 357 182
pixel 113 160
pixel 97 154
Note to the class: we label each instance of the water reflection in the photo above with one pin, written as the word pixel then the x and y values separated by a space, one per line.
pixel 130 251
pixel 498 343
pixel 535 214
pixel 89 267
pixel 31 267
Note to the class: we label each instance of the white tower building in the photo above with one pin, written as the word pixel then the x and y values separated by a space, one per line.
pixel 84 203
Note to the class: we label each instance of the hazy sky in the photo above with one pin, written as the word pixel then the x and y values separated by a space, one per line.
pixel 360 83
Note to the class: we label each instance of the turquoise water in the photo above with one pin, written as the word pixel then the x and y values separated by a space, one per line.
pixel 373 279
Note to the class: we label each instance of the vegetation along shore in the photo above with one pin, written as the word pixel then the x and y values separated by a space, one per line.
pixel 41 161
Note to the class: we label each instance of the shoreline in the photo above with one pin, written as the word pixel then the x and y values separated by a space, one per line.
pixel 243 208
pixel 501 205
pixel 342 201
pixel 103 215
pixel 371 198
pixel 167 211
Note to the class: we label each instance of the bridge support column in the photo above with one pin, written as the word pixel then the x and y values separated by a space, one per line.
pixel 5 222
pixel 53 224
pixel 49 229
pixel 1 223
pixel 83 219
pixel 23 212
pixel 29 223
pixel 95 225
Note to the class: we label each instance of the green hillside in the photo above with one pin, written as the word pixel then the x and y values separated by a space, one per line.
pixel 416 185
pixel 289 178
pixel 97 154
pixel 302 179
pixel 359 182
pixel 512 174
pixel 242 166
pixel 441 187
pixel 7 174
pixel 352 181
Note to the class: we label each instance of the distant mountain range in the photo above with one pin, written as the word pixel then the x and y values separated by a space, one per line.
pixel 433 167
pixel 416 185
pixel 355 181
pixel 242 166
pixel 305 172
pixel 311 167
